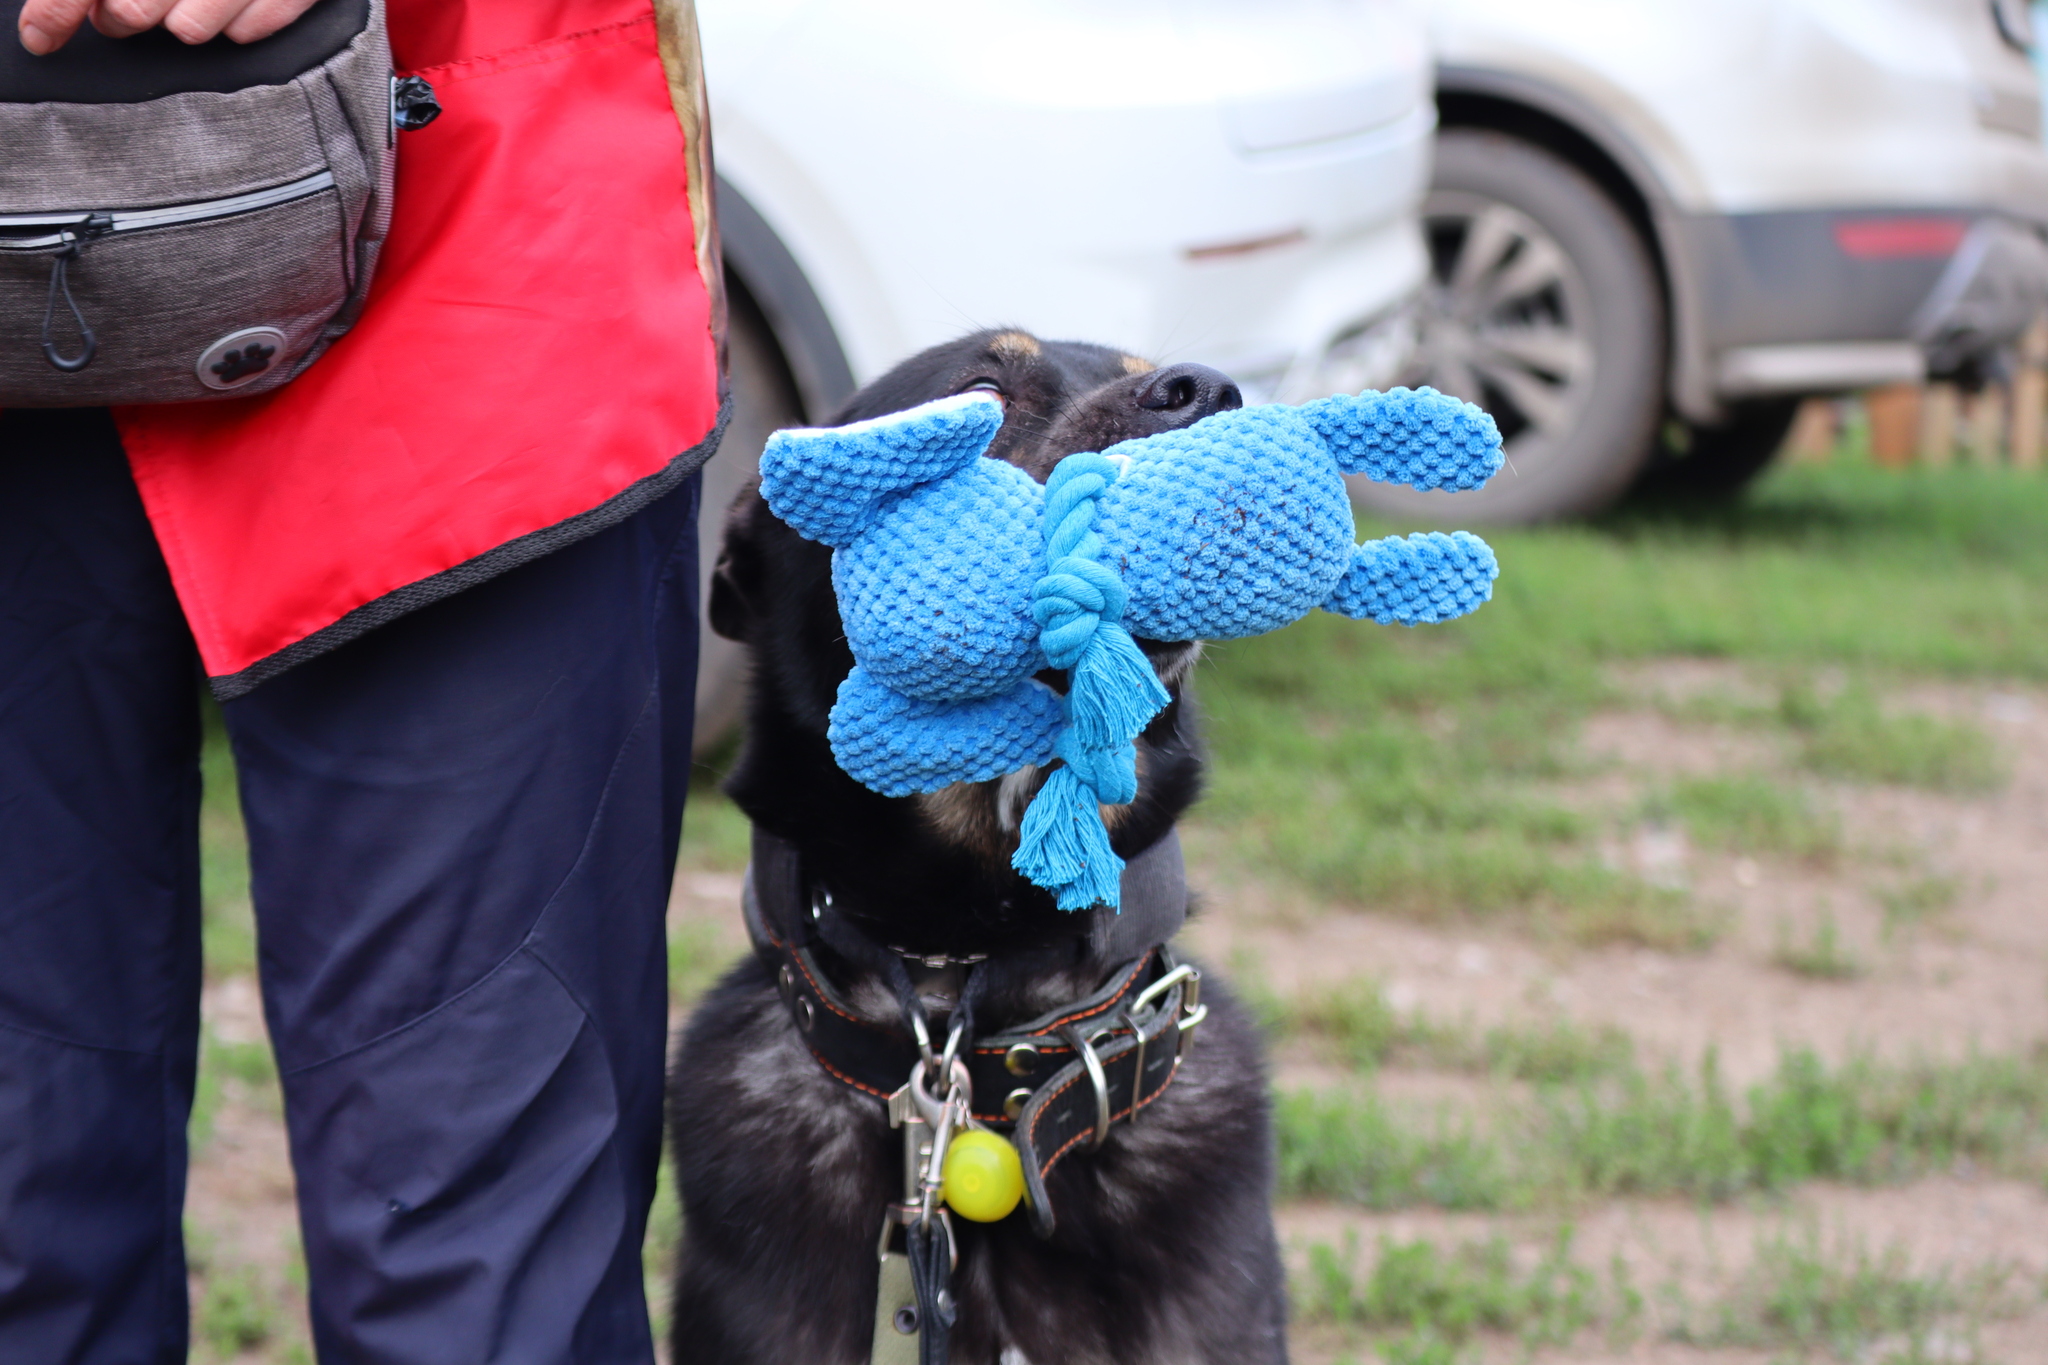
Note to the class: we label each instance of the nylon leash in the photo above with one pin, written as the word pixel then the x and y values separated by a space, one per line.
pixel 931 1274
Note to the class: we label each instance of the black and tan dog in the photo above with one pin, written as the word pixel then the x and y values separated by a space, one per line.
pixel 1160 1245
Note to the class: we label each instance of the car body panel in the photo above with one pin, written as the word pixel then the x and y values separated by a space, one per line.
pixel 1758 132
pixel 1188 179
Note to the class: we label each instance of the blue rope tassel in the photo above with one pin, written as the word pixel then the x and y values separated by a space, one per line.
pixel 1112 694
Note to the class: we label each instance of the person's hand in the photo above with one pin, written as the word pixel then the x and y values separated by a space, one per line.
pixel 47 25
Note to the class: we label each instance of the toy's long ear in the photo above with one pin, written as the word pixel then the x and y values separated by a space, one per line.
pixel 1419 437
pixel 900 746
pixel 826 481
pixel 1417 580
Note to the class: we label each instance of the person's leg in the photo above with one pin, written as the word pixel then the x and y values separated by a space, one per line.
pixel 462 828
pixel 99 905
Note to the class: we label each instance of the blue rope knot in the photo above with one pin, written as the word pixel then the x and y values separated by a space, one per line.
pixel 1112 693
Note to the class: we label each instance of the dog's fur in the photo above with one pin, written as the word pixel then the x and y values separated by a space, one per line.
pixel 1164 1250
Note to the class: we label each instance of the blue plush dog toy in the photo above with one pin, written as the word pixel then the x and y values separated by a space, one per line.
pixel 960 577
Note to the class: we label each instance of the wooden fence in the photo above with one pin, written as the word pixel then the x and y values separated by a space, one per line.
pixel 1939 424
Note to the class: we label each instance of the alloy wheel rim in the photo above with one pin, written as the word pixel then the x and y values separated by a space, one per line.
pixel 1505 319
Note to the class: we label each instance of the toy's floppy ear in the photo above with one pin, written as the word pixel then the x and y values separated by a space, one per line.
pixel 826 481
pixel 900 746
pixel 1419 437
pixel 1417 580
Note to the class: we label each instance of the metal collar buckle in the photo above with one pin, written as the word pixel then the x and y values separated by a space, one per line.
pixel 1139 1015
pixel 1084 1045
pixel 1135 1015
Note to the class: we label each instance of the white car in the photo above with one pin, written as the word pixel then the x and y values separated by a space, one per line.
pixel 1203 180
pixel 1655 227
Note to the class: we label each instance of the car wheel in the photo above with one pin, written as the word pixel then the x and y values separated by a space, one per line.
pixel 764 401
pixel 1542 307
pixel 1717 461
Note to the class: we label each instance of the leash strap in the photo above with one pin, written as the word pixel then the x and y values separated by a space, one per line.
pixel 931 1275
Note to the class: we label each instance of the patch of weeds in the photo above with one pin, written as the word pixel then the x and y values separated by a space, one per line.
pixel 1350 1146
pixel 1751 814
pixel 1420 1347
pixel 1646 1133
pixel 250 1064
pixel 1862 1122
pixel 1668 1133
pixel 1844 1300
pixel 1850 736
pixel 1561 1050
pixel 1367 1032
pixel 1824 956
pixel 1355 1020
pixel 1442 1298
pixel 1646 916
pixel 236 1313
pixel 1915 901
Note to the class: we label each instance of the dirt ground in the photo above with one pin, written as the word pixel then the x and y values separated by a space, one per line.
pixel 1970 975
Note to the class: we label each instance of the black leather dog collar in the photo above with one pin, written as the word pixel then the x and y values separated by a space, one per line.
pixel 1063 1079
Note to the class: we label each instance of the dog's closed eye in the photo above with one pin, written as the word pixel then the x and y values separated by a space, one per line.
pixel 986 385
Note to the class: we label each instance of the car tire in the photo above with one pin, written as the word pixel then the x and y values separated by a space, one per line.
pixel 1717 462
pixel 1543 306
pixel 764 400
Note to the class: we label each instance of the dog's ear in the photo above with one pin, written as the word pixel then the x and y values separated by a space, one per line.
pixel 736 579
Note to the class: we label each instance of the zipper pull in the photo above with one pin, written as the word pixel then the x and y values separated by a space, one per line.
pixel 95 226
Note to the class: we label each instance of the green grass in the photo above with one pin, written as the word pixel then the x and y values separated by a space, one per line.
pixel 1351 1146
pixel 1822 957
pixel 235 1313
pixel 229 924
pixel 1408 769
pixel 1846 732
pixel 1797 1294
pixel 1670 1133
pixel 1917 900
pixel 663 1244
pixel 1749 814
pixel 250 1064
pixel 716 836
pixel 1435 1299
pixel 1850 736
pixel 1354 1022
pixel 1420 1301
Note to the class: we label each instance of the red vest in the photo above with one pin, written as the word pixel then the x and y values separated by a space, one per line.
pixel 538 358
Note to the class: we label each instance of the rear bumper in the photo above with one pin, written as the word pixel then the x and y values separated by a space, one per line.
pixel 1819 301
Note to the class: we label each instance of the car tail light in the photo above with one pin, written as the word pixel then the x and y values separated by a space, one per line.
pixel 1892 238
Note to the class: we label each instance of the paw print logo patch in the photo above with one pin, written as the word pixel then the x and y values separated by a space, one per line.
pixel 239 357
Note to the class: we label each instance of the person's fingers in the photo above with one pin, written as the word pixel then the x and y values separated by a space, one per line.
pixel 196 21
pixel 261 18
pixel 126 18
pixel 46 25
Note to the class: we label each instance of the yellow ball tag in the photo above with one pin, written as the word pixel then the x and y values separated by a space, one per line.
pixel 982 1178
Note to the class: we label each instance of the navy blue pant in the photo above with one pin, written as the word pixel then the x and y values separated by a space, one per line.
pixel 461 828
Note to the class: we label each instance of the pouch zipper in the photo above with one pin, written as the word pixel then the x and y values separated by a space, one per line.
pixel 67 225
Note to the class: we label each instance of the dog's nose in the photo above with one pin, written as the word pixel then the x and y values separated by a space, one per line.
pixel 1188 392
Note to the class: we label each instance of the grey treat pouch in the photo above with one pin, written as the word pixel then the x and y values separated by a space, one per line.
pixel 190 223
